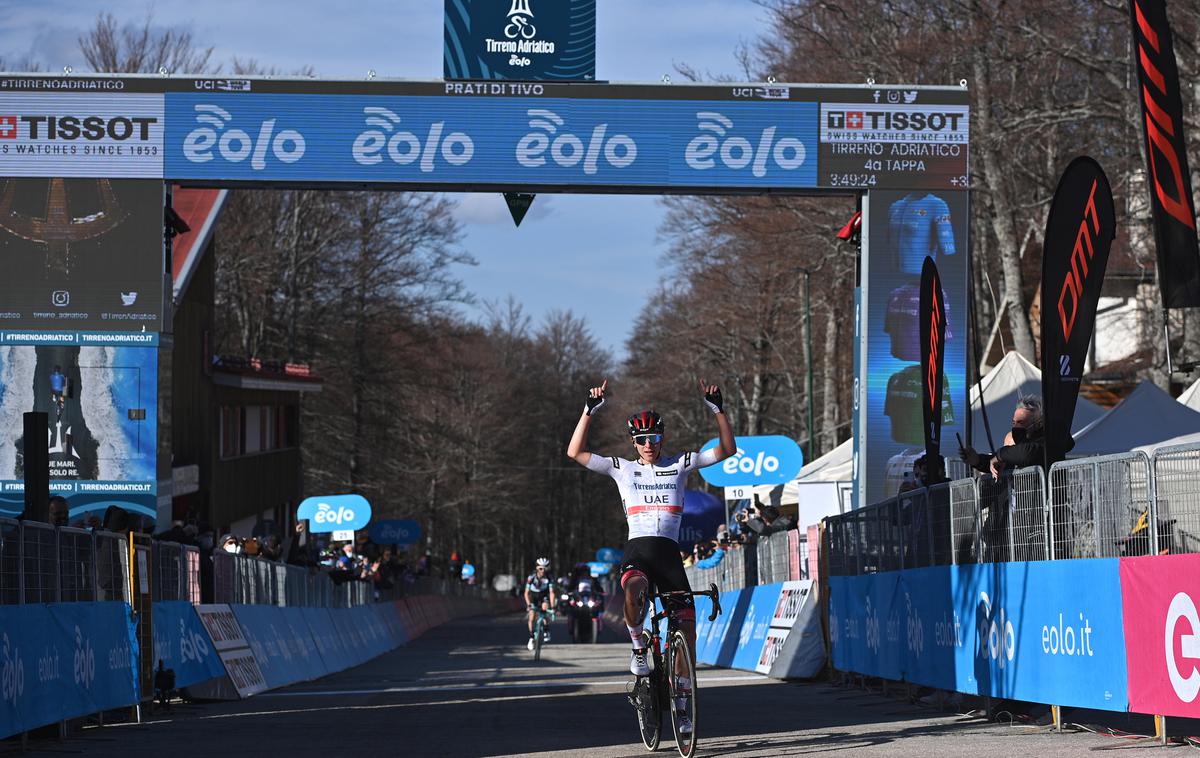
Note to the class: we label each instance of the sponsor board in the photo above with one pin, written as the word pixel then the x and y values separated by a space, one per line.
pixel 1160 596
pixel 231 645
pixel 72 134
pixel 771 648
pixel 792 597
pixel 1018 630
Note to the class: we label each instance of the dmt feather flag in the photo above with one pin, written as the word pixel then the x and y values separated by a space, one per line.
pixel 1079 234
pixel 1167 174
pixel 932 314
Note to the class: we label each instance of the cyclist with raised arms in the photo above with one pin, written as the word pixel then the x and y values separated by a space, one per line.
pixel 539 593
pixel 652 488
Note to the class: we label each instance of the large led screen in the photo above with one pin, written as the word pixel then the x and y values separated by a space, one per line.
pixel 99 393
pixel 82 254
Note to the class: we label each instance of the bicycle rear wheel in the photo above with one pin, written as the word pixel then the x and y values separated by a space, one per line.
pixel 682 702
pixel 649 709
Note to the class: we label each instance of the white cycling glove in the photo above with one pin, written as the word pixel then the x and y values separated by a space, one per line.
pixel 713 401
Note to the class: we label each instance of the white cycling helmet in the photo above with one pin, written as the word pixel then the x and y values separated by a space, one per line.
pixel 543 563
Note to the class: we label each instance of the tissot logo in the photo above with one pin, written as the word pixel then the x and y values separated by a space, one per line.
pixel 894 120
pixel 93 128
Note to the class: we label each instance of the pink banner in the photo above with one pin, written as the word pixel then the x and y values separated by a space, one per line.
pixel 1161 595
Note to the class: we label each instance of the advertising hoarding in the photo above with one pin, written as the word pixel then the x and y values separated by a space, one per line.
pixel 903 228
pixel 531 40
pixel 100 396
pixel 1013 630
pixel 81 253
pixel 763 459
pixel 107 135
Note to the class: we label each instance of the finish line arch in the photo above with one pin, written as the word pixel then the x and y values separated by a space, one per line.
pixel 904 148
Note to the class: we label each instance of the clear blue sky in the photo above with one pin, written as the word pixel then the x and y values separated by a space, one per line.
pixel 595 255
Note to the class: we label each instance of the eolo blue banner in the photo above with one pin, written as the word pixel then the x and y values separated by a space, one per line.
pixel 487 135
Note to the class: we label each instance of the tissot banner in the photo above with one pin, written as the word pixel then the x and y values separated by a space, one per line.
pixel 1079 232
pixel 932 315
pixel 1167 173
pixel 76 134
pixel 530 40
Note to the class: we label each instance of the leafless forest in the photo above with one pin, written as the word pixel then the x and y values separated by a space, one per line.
pixel 463 425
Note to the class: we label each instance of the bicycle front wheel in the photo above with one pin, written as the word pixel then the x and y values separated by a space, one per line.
pixel 681 665
pixel 539 629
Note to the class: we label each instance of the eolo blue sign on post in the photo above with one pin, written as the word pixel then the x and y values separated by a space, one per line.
pixel 395 532
pixel 335 513
pixel 769 459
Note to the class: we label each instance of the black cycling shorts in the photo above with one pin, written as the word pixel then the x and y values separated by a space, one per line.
pixel 658 559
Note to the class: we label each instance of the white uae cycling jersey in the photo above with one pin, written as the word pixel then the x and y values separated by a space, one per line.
pixel 652 494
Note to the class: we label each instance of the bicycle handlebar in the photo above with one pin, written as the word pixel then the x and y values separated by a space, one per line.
pixel 711 593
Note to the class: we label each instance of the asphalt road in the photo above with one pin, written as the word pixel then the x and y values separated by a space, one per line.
pixel 471 689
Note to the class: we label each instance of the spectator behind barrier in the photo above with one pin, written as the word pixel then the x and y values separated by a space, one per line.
pixel 1024 445
pixel 59 511
pixel 768 521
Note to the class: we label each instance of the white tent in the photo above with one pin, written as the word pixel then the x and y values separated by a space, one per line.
pixel 1186 439
pixel 1146 417
pixel 1012 377
pixel 820 489
pixel 1191 396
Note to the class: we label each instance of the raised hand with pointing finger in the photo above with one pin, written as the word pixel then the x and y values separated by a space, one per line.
pixel 712 397
pixel 595 398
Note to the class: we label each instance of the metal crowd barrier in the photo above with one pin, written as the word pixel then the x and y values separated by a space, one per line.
pixel 1107 506
pixel 43 564
pixel 1096 505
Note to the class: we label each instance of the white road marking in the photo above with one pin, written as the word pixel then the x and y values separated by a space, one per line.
pixel 496 685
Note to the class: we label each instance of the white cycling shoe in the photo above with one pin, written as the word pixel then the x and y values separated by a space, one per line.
pixel 529 645
pixel 638 665
pixel 685 724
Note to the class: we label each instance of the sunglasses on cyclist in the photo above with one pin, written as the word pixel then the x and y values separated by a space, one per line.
pixel 647 439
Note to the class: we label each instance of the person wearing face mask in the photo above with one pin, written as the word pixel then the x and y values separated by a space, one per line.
pixel 231 544
pixel 1024 445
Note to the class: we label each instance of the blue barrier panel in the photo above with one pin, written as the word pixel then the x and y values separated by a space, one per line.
pixel 329 645
pixel 275 644
pixel 64 660
pixel 708 645
pixel 181 643
pixel 305 654
pixel 1041 631
pixel 755 624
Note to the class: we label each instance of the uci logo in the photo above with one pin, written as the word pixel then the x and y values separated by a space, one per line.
pixel 12 671
pixel 405 147
pixel 236 145
pixel 1182 608
pixel 737 152
pixel 567 150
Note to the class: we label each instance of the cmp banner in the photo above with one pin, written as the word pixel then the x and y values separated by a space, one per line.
pixel 1080 229
pixel 1015 630
pixel 932 315
pixel 1168 178
pixel 64 660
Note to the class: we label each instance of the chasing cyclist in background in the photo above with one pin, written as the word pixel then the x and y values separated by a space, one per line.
pixel 58 387
pixel 652 488
pixel 539 593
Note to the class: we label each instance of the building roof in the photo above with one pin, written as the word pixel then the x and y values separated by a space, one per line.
pixel 199 208
pixel 255 374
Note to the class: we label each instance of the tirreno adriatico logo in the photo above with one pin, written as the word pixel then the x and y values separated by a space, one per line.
pixel 520 21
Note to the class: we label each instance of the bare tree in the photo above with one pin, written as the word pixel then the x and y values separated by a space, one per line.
pixel 110 47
